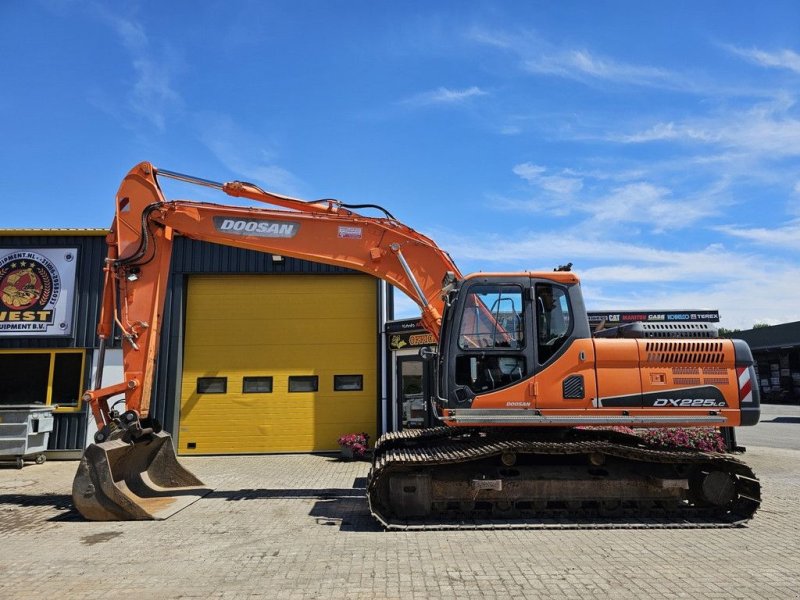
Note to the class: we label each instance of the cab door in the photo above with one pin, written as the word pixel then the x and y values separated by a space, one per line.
pixel 564 357
pixel 489 345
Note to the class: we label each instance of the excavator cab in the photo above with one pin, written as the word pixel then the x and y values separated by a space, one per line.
pixel 501 330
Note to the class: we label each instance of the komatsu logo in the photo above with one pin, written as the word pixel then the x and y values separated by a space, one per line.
pixel 688 402
pixel 257 227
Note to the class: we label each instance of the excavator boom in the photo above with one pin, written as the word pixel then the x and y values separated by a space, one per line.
pixel 122 475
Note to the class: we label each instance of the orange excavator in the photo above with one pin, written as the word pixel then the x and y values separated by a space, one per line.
pixel 527 397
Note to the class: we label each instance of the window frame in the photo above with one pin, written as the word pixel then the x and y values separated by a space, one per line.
pixel 289 389
pixel 568 333
pixel 197 384
pixel 360 388
pixel 71 408
pixel 254 377
pixel 523 316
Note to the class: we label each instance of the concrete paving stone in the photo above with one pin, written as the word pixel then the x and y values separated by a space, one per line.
pixel 297 526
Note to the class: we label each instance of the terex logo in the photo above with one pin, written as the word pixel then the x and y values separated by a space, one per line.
pixel 257 227
pixel 691 402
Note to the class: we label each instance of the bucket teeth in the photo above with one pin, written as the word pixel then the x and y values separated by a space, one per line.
pixel 119 481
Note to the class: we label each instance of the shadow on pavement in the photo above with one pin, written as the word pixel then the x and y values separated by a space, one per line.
pixel 781 420
pixel 59 502
pixel 345 507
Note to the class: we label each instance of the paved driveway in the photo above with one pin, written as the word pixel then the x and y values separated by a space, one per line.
pixel 297 526
pixel 779 427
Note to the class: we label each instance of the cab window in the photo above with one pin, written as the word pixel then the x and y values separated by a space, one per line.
pixel 553 320
pixel 491 338
pixel 493 318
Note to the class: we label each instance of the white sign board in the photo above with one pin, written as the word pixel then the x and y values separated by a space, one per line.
pixel 37 290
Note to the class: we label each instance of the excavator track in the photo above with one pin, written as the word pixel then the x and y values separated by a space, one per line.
pixel 449 478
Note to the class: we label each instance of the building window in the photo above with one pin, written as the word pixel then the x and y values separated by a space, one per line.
pixel 348 383
pixel 257 385
pixel 303 383
pixel 212 385
pixel 53 378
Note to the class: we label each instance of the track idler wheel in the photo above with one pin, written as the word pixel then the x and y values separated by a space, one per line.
pixel 713 487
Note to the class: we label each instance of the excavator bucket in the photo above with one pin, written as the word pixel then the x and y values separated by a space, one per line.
pixel 122 481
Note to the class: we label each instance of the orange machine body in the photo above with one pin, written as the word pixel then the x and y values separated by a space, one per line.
pixel 634 381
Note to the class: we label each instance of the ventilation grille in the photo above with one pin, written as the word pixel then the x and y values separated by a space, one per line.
pixel 716 381
pixel 573 387
pixel 685 352
pixel 686 380
pixel 686 370
pixel 682 330
pixel 715 371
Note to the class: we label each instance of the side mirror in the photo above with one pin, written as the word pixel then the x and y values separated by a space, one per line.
pixel 426 353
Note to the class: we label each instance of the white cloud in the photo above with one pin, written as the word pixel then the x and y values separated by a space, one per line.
pixel 632 202
pixel 540 57
pixel 152 95
pixel 782 59
pixel 746 287
pixel 443 95
pixel 643 202
pixel 580 64
pixel 244 153
pixel 787 237
pixel 668 131
pixel 558 185
pixel 768 130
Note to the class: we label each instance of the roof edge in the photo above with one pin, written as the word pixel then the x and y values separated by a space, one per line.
pixel 53 232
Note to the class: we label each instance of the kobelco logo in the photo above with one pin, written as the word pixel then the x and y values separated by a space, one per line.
pixel 688 402
pixel 257 227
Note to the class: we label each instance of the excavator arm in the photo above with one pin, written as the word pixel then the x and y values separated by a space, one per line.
pixel 131 472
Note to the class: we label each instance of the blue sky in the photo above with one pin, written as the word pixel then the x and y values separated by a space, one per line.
pixel 655 146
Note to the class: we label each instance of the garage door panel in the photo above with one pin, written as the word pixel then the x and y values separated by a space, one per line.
pixel 281 333
pixel 336 335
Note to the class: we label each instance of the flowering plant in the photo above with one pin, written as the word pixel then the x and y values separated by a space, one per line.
pixel 705 439
pixel 357 443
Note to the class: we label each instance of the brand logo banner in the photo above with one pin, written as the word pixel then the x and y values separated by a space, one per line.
pixel 37 288
pixel 257 227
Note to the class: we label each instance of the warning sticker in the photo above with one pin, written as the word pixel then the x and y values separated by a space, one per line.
pixel 350 232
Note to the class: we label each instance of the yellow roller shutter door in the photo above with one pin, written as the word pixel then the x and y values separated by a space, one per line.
pixel 279 327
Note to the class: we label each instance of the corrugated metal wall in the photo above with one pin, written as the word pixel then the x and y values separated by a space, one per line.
pixel 69 429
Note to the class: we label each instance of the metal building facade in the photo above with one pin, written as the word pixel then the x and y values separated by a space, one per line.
pixel 69 430
pixel 189 257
